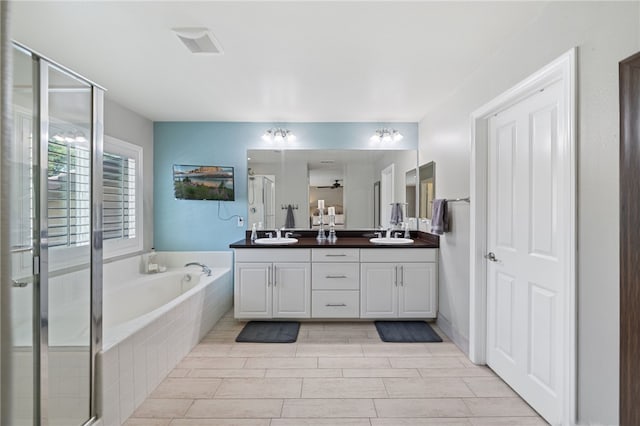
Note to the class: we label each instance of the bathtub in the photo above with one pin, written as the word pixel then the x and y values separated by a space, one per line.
pixel 150 322
pixel 127 309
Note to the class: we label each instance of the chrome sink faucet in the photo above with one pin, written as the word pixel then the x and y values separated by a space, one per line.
pixel 205 268
pixel 279 232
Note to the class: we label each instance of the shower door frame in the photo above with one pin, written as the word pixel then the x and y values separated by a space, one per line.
pixel 41 67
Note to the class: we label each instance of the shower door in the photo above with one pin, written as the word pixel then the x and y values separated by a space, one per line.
pixel 23 245
pixel 67 217
pixel 56 244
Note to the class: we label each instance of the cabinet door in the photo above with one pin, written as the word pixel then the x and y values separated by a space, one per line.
pixel 252 290
pixel 292 290
pixel 378 290
pixel 417 290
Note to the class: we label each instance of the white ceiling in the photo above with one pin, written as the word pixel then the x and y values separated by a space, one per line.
pixel 282 62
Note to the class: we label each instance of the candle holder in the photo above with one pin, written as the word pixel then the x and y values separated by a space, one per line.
pixel 321 235
pixel 332 229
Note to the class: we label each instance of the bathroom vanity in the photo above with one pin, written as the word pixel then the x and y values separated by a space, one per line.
pixel 352 278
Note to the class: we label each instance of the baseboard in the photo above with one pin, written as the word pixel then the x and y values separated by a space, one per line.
pixel 452 333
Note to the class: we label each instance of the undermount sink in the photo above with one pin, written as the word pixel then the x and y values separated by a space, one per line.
pixel 391 241
pixel 275 241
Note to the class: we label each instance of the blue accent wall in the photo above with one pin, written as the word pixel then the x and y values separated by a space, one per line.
pixel 184 225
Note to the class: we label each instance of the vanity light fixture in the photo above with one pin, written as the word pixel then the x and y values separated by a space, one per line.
pixel 278 135
pixel 386 135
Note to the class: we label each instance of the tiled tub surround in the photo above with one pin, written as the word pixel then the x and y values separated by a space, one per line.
pixel 152 321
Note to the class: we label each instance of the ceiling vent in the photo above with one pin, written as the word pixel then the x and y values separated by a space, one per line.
pixel 199 41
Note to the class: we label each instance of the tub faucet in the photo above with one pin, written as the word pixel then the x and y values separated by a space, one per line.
pixel 205 268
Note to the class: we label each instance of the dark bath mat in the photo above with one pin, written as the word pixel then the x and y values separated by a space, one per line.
pixel 269 332
pixel 406 332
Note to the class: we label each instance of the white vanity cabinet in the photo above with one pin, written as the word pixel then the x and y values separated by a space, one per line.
pixel 336 283
pixel 398 283
pixel 272 283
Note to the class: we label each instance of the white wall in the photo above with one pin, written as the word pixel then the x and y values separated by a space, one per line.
pixel 129 126
pixel 605 33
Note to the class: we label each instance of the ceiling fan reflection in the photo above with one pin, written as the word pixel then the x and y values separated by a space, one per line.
pixel 336 184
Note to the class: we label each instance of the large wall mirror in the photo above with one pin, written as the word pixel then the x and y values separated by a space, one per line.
pixel 284 187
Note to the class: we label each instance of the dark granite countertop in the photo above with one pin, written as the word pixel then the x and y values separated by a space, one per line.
pixel 346 239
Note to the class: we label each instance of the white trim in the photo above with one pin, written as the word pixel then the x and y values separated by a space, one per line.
pixel 115 248
pixel 456 337
pixel 564 70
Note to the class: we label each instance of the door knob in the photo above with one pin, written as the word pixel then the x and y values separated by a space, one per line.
pixel 491 257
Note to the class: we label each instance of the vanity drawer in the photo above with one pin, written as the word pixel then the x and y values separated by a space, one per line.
pixel 335 255
pixel 335 276
pixel 335 304
pixel 399 255
pixel 272 255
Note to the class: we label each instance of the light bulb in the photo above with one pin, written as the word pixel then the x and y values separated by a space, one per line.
pixel 268 136
pixel 58 137
pixel 291 137
pixel 397 136
pixel 386 136
pixel 278 137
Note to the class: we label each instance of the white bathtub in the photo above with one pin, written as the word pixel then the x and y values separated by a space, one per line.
pixel 150 322
pixel 128 308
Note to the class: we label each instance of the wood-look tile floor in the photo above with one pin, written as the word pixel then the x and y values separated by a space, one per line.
pixel 337 373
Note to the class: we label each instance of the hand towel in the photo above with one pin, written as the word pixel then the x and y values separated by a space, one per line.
pixel 396 214
pixel 290 221
pixel 439 217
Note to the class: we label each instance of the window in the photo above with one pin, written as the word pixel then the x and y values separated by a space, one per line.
pixel 69 195
pixel 122 197
pixel 119 196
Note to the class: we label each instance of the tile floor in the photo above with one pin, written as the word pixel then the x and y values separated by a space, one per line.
pixel 336 374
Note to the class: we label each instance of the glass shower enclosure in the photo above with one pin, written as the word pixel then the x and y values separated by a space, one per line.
pixel 55 211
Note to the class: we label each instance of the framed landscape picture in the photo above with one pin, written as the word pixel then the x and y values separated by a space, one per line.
pixel 203 183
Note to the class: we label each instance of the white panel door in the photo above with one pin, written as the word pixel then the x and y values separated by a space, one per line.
pixel 525 245
pixel 252 294
pixel 378 290
pixel 291 290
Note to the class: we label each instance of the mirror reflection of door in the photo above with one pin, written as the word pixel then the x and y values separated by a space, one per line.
pixel 410 181
pixel 387 194
pixel 376 204
pixel 427 179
